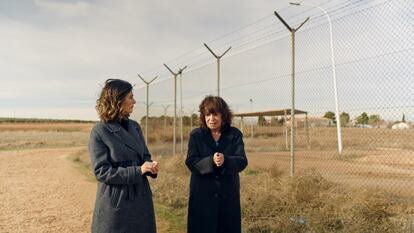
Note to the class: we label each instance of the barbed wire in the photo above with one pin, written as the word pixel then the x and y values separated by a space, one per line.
pixel 200 63
pixel 299 73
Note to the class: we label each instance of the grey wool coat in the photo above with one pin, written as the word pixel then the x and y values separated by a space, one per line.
pixel 124 198
pixel 214 203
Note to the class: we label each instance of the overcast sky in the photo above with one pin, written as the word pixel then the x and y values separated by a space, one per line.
pixel 55 54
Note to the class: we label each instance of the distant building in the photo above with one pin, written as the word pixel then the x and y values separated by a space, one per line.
pixel 365 126
pixel 320 122
pixel 400 125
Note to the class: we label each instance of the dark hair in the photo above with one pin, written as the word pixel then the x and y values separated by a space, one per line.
pixel 109 103
pixel 215 104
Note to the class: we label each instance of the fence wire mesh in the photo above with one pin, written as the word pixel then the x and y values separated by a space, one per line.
pixel 373 45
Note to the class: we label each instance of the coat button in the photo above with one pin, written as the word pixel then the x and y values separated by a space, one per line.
pixel 215 194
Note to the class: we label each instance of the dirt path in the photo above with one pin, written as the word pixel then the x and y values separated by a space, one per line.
pixel 41 191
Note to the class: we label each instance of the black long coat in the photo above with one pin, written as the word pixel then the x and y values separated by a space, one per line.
pixel 214 203
pixel 124 199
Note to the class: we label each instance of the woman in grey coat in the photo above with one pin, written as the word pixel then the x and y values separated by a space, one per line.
pixel 121 163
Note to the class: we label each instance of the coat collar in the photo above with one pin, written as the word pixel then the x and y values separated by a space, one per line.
pixel 113 126
pixel 130 138
pixel 224 139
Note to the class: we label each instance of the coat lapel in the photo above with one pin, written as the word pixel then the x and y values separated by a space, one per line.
pixel 208 140
pixel 125 137
pixel 134 132
pixel 225 140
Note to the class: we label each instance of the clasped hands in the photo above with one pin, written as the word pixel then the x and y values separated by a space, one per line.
pixel 218 159
pixel 152 167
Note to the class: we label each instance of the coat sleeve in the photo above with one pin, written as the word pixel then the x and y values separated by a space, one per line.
pixel 195 162
pixel 104 171
pixel 147 155
pixel 238 161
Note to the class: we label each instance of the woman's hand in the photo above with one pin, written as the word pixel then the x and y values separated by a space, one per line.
pixel 155 167
pixel 152 167
pixel 218 159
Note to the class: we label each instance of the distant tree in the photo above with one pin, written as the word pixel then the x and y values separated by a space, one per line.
pixel 329 115
pixel 261 120
pixel 363 118
pixel 374 119
pixel 142 121
pixel 195 119
pixel 344 118
pixel 186 120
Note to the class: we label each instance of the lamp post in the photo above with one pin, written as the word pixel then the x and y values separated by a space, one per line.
pixel 338 121
pixel 146 118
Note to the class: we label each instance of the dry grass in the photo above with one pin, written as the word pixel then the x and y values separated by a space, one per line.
pixel 271 201
pixel 322 139
pixel 304 203
pixel 20 136
pixel 309 203
pixel 19 140
pixel 58 127
pixel 274 202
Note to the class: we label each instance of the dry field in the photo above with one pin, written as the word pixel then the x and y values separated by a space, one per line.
pixel 46 184
pixel 372 158
pixel 393 173
pixel 41 188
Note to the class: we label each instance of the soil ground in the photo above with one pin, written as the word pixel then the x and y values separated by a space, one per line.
pixel 391 171
pixel 42 191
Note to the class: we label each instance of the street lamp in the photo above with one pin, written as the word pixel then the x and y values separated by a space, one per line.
pixel 338 121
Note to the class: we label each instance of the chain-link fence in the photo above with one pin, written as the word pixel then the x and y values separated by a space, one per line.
pixel 373 47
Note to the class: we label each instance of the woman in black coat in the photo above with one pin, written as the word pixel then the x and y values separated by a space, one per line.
pixel 121 162
pixel 215 157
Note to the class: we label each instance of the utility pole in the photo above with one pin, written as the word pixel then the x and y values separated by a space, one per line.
pixel 146 118
pixel 181 113
pixel 292 111
pixel 165 107
pixel 251 111
pixel 175 101
pixel 181 129
pixel 218 65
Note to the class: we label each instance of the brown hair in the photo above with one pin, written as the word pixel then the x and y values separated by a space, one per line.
pixel 215 104
pixel 109 103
